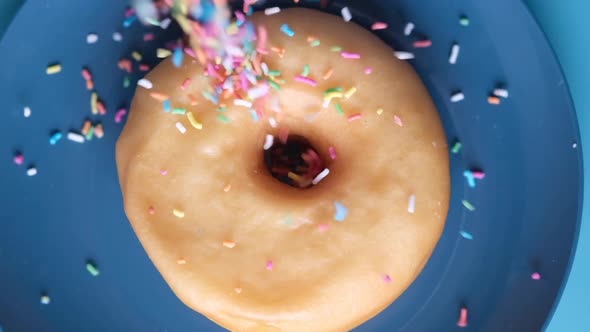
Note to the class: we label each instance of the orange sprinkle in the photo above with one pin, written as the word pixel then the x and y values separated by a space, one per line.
pixel 227 188
pixel 181 261
pixel 98 131
pixel 102 110
pixel 328 74
pixel 86 127
pixel 89 85
pixel 494 100
pixel 126 65
pixel 229 244
pixel 159 96
pixel 193 100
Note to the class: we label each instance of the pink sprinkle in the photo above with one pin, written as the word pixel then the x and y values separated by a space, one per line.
pixel 478 174
pixel 186 84
pixel 355 117
pixel 536 276
pixel 144 67
pixel 19 159
pixel 332 152
pixel 323 227
pixel 347 55
pixel 306 80
pixel 240 16
pixel 387 278
pixel 163 171
pixel 151 210
pixel 148 37
pixel 119 115
pixel 190 52
pixel 129 12
pixel 379 26
pixel 462 318
pixel 398 121
pixel 262 38
pixel 269 265
pixel 368 70
pixel 423 43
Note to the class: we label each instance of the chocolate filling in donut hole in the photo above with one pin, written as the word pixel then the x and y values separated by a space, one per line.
pixel 294 161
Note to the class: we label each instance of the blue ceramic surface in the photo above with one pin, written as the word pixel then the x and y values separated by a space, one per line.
pixel 527 208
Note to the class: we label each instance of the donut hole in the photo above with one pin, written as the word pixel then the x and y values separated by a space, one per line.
pixel 294 162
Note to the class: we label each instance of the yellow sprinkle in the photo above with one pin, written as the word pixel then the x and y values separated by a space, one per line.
pixel 350 92
pixel 380 111
pixel 93 103
pixel 227 188
pixel 229 244
pixel 163 53
pixel 178 213
pixel 193 121
pixel 332 95
pixel 181 261
pixel 136 55
pixel 53 69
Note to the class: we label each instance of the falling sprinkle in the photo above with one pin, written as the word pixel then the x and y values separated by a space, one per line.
pixel 468 205
pixel 457 97
pixel 462 322
pixel 75 137
pixel 178 213
pixel 305 72
pixel 119 115
pixel 92 269
pixel 159 96
pixel 412 204
pixel 328 74
pixel 32 171
pixel 348 55
pixel 180 127
pixel 350 92
pixel 409 28
pixel 145 83
pixel 18 159
pixel 341 212
pixel 91 38
pixel 306 80
pixel 466 235
pixel 287 30
pixel 193 121
pixel 469 177
pixel 269 265
pixel 229 244
pixel 272 11
pixel 268 142
pixel 454 55
pixel 379 26
pixel 117 36
pixel 45 299
pixel 404 55
pixel 425 43
pixel 456 147
pixel 53 69
pixel 320 176
pixel 502 93
pixel 493 100
pixel 386 278
pixel 55 137
pixel 332 152
pixel 464 20
pixel 136 56
pixel 536 276
pixel 243 103
pixel 181 261
pixel 339 109
pixel 177 57
pixel 163 53
pixel 346 15
pixel 398 121
pixel 27 112
pixel 354 117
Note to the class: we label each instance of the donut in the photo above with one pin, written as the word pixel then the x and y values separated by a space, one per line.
pixel 311 211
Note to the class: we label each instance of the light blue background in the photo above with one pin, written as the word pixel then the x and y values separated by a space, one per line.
pixel 563 22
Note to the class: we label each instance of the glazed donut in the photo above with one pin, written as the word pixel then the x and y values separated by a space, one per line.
pixel 312 215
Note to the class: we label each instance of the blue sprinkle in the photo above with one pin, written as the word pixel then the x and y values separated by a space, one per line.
pixel 210 97
pixel 55 138
pixel 177 57
pixel 167 105
pixel 287 30
pixel 129 21
pixel 254 115
pixel 469 177
pixel 341 211
pixel 466 235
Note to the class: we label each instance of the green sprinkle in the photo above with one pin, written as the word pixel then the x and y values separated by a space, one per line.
pixel 468 205
pixel 274 85
pixel 330 90
pixel 90 133
pixel 339 109
pixel 274 73
pixel 92 269
pixel 181 111
pixel 335 48
pixel 126 82
pixel 464 20
pixel 223 118
pixel 305 71
pixel 456 147
pixel 315 43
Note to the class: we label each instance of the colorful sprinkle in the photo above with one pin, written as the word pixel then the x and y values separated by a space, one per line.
pixel 328 74
pixel 193 121
pixel 502 93
pixel 186 84
pixel 379 26
pixel 119 115
pixel 268 142
pixel 386 278
pixel 163 53
pixel 536 276
pixel 462 322
pixel 151 210
pixel 469 177
pixel 287 30
pixel 27 111
pixel 320 176
pixel 75 137
pixel 117 36
pixel 229 244
pixel 223 118
pixel 468 205
pixel 350 92
pixel 348 55
pixel 379 111
pixel 341 212
pixel 180 128
pixel 167 105
pixel 454 55
pixel 409 28
pixel 493 100
pixel 354 117
pixel 339 109
pixel 181 261
pixel 269 265
pixel 457 97
pixel 92 269
pixel 53 69
pixel 18 159
pixel 177 57
pixel 243 103
pixel 32 171
pixel 456 147
pixel 305 72
pixel 227 188
pixel 346 15
pixel 368 70
pixel 55 137
pixel 332 152
pixel 398 121
pixel 306 80
pixel 404 55
pixel 91 38
pixel 136 56
pixel 425 43
pixel 412 204
pixel 464 20
pixel 272 11
pixel 145 83
pixel 178 213
pixel 45 299
pixel 466 235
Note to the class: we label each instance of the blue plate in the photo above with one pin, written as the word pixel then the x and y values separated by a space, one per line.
pixel 527 209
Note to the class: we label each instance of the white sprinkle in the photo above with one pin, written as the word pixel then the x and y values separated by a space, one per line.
pixel 264 67
pixel 27 111
pixel 503 93
pixel 457 97
pixel 180 127
pixel 269 141
pixel 574 145
pixel 273 123
pixel 165 23
pixel 45 299
pixel 454 54
pixel 272 11
pixel 117 36
pixel 320 176
pixel 409 28
pixel 75 137
pixel 145 83
pixel 412 204
pixel 404 55
pixel 242 102
pixel 346 15
pixel 32 171
pixel 258 91
pixel 91 38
